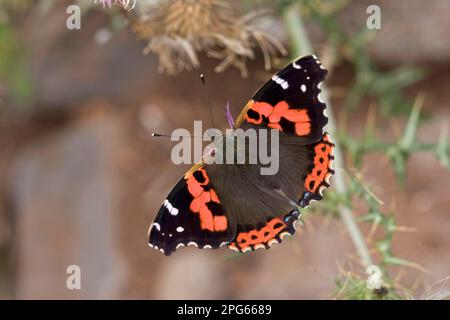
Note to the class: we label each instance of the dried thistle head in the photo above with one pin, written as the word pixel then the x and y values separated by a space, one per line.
pixel 9 8
pixel 178 30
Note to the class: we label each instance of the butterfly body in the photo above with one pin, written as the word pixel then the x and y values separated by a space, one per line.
pixel 233 204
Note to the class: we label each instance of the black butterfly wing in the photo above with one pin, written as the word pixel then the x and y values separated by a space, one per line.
pixel 290 102
pixel 192 214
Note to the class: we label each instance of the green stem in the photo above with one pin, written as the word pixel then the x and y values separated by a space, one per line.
pixel 301 46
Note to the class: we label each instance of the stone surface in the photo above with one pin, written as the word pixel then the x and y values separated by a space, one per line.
pixel 191 275
pixel 116 70
pixel 412 31
pixel 64 197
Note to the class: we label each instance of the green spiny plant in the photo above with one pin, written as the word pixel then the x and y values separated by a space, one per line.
pixel 386 90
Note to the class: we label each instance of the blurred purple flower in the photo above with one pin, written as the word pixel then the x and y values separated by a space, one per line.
pixel 126 4
pixel 104 2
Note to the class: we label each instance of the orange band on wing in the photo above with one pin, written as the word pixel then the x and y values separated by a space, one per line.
pixel 263 236
pixel 220 223
pixel 322 165
pixel 257 111
pixel 196 185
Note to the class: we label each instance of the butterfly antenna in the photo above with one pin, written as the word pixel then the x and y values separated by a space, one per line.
pixel 208 104
pixel 154 134
pixel 158 135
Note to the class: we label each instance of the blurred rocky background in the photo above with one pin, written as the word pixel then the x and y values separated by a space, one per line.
pixel 81 178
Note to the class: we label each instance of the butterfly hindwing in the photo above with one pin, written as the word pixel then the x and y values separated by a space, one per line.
pixel 320 172
pixel 265 235
pixel 266 208
pixel 272 230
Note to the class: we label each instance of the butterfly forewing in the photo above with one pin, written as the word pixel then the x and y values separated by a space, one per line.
pixel 290 102
pixel 191 215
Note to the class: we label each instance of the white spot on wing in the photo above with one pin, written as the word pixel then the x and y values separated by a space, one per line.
pixel 321 189
pixel 296 66
pixel 303 88
pixel 180 229
pixel 283 234
pixel 318 62
pixel 271 242
pixel 173 211
pixel 259 246
pixel 157 226
pixel 331 164
pixel 319 96
pixel 283 83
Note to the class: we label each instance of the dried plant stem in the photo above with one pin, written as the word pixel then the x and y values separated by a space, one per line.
pixel 301 46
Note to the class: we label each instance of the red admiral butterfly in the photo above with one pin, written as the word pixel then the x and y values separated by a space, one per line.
pixel 234 205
